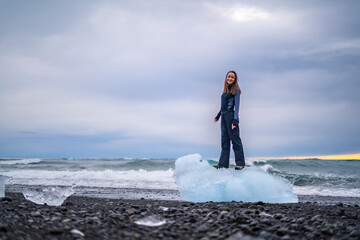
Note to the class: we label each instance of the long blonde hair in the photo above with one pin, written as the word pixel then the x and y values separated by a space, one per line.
pixel 234 86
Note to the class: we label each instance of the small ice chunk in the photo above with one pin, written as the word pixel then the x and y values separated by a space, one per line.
pixel 77 232
pixel 151 221
pixel 53 196
pixel 164 208
pixel 264 214
pixel 2 185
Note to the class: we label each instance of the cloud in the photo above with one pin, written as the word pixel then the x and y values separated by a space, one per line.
pixel 28 66
pixel 238 13
pixel 332 49
pixel 49 111
pixel 153 73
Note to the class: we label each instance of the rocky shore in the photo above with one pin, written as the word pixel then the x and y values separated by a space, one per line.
pixel 97 218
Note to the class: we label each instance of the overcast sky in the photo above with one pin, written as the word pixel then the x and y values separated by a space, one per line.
pixel 144 78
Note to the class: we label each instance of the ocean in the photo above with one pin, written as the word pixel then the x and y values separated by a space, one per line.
pixel 318 177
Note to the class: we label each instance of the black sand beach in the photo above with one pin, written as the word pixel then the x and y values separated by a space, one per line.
pixel 82 217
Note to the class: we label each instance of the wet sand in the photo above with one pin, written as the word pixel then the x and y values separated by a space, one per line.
pixel 82 217
pixel 166 194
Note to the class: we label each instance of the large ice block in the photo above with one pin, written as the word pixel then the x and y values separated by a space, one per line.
pixel 197 181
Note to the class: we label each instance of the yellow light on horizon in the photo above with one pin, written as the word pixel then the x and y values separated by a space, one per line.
pixel 355 156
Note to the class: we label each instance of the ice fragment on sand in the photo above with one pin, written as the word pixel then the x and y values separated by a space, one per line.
pixel 164 208
pixel 197 181
pixel 53 196
pixel 2 185
pixel 77 232
pixel 151 221
pixel 242 236
pixel 264 214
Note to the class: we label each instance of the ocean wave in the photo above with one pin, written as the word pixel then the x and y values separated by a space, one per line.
pixel 253 161
pixel 157 173
pixel 106 178
pixel 303 179
pixel 326 191
pixel 20 161
pixel 267 168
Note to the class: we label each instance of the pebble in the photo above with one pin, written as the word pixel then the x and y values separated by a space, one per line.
pixel 267 222
pixel 36 214
pixel 130 211
pixel 202 228
pixel 278 216
pixel 3 228
pixel 265 235
pixel 56 231
pixel 282 231
pixel 241 236
pixel 286 237
pixel 315 218
pixel 355 232
pixel 77 232
pixel 224 208
pixel 6 199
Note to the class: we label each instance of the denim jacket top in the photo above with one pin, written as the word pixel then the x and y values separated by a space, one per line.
pixel 230 102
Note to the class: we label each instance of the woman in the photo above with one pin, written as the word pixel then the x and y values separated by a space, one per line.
pixel 229 112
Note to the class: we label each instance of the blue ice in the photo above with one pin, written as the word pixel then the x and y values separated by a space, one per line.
pixel 197 181
pixel 53 196
pixel 2 185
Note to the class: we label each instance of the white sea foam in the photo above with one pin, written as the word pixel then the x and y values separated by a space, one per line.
pixel 266 167
pixel 20 161
pixel 197 181
pixel 106 178
pixel 322 191
pixel 251 161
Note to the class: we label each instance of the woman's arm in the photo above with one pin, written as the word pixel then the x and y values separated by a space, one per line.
pixel 217 116
pixel 237 106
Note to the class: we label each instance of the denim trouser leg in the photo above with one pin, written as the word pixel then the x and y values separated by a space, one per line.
pixel 228 134
pixel 238 147
pixel 225 143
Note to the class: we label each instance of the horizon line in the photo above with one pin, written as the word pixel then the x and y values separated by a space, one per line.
pixel 354 156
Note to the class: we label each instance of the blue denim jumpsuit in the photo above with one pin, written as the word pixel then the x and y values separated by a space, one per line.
pixel 229 113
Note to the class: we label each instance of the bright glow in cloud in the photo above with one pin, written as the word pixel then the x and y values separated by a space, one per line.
pixel 239 13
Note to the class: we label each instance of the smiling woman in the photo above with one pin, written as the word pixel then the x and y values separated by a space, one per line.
pixel 230 131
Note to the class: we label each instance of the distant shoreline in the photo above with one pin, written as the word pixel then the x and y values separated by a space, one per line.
pixel 355 156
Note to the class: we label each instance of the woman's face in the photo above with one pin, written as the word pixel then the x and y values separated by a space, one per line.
pixel 230 78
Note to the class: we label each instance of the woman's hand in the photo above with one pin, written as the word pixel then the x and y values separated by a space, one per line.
pixel 232 126
pixel 215 120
